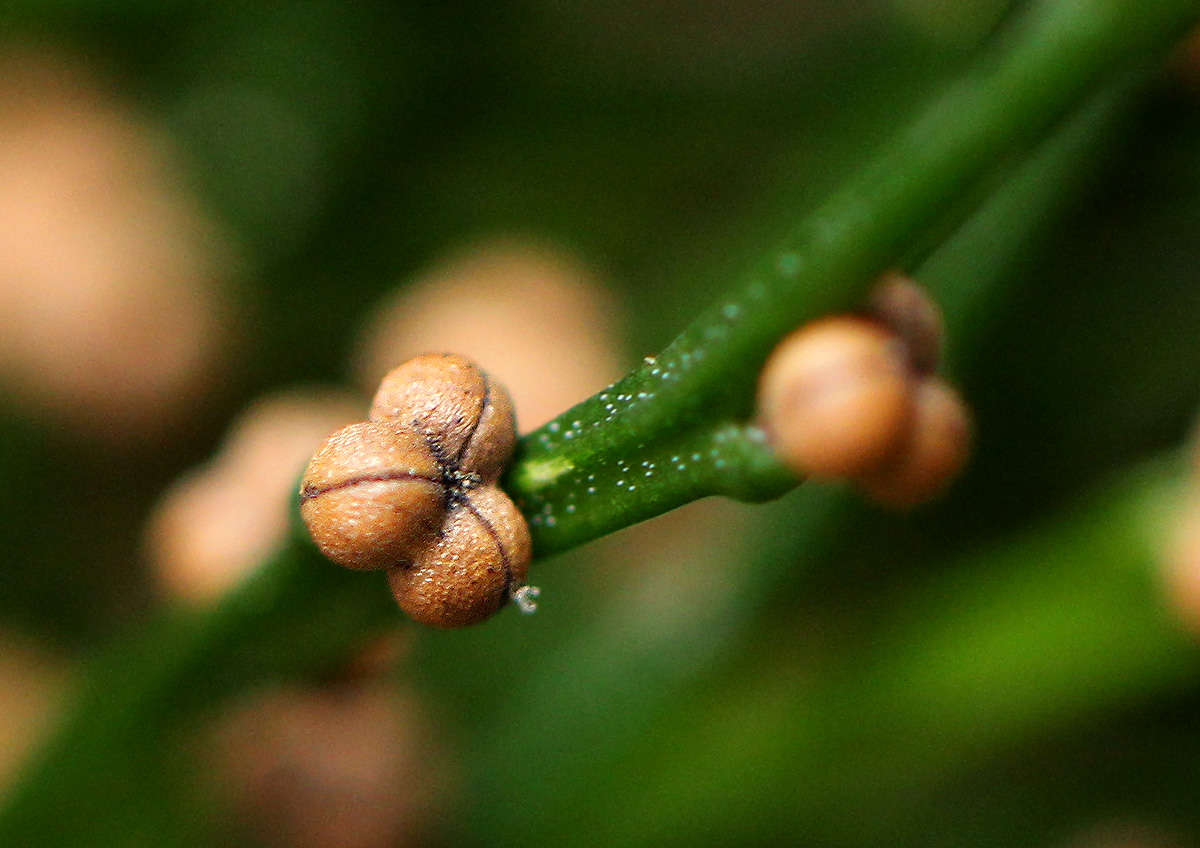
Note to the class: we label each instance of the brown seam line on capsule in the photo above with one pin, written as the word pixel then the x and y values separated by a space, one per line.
pixel 487 525
pixel 309 494
pixel 439 457
pixel 487 398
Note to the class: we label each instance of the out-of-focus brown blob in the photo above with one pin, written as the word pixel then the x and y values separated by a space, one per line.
pixel 30 684
pixel 934 451
pixel 907 310
pixel 1185 61
pixel 546 329
pixel 112 319
pixel 346 766
pixel 1124 834
pixel 221 520
pixel 379 656
pixel 835 397
pixel 1182 566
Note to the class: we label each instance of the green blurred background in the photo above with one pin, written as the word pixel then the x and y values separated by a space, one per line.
pixel 259 179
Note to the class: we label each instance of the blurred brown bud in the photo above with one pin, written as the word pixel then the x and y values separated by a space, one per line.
pixel 1182 566
pixel 346 766
pixel 379 656
pixel 545 327
pixel 112 319
pixel 1124 834
pixel 908 311
pixel 835 397
pixel 221 520
pixel 933 452
pixel 31 681
pixel 1185 61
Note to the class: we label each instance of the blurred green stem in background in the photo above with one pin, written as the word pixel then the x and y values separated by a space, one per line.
pixel 298 616
pixel 572 476
pixel 1044 632
pixel 969 275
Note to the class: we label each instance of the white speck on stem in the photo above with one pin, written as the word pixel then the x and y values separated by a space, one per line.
pixel 788 265
pixel 525 598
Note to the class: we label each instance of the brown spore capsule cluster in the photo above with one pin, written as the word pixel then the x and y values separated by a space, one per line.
pixel 857 397
pixel 414 491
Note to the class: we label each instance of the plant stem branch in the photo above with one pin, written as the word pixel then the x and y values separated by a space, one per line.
pixel 1045 65
pixel 971 275
pixel 298 615
pixel 1047 631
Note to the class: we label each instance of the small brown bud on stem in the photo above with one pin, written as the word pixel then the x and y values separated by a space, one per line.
pixel 835 397
pixel 907 310
pixel 372 495
pixel 448 399
pixel 935 449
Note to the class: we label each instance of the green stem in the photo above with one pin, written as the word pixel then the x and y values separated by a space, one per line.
pixel 971 274
pixel 1028 81
pixel 296 618
pixel 1050 630
pixel 720 458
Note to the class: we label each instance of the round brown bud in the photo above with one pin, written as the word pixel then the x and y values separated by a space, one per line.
pixel 31 687
pixel 935 450
pixel 470 300
pixel 906 309
pixel 835 397
pixel 467 416
pixel 372 495
pixel 470 571
pixel 353 765
pixel 116 320
pixel 1182 567
pixel 213 525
